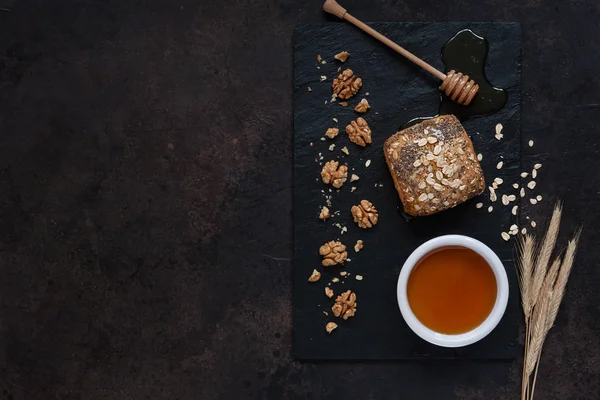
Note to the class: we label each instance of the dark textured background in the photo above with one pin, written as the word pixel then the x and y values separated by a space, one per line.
pixel 145 200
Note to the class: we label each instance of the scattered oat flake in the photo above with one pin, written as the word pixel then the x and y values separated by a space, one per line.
pixel 311 144
pixel 490 209
pixel 537 166
pixel 493 196
pixel 323 78
pixel 479 157
pixel 514 210
pixel 352 189
pixel 499 165
pixel 498 136
pixel 539 197
pixel 343 273
pixel 354 178
pixel 325 313
pixel 534 173
pixel 533 224
pixel 531 143
pixel 524 174
pixel 345 150
pixel 499 181
pixel 358 277
pixel 524 231
pixel 323 139
pixel 515 185
pixel 499 128
pixel 335 279
pixel 368 163
pixel 505 236
pixel 505 199
pixel 309 89
pixel 531 185
pixel 479 205
pixel 335 120
pixel 533 201
pixel 332 147
pixel 522 192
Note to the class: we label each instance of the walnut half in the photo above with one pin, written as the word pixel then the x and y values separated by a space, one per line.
pixel 342 56
pixel 365 214
pixel 332 132
pixel 362 107
pixel 359 132
pixel 346 84
pixel 333 253
pixel 335 174
pixel 315 276
pixel 330 327
pixel 345 305
pixel 324 213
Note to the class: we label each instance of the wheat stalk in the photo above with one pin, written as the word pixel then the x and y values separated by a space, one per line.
pixel 542 290
pixel 543 257
pixel 563 277
pixel 538 333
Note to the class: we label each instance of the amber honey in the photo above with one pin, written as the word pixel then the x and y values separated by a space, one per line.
pixel 452 290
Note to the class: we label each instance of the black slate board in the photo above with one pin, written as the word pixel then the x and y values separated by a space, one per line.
pixel 397 91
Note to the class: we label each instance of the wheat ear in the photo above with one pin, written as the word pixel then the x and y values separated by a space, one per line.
pixel 545 252
pixel 525 270
pixel 563 277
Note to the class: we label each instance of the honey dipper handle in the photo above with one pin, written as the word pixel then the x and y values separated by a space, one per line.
pixel 332 7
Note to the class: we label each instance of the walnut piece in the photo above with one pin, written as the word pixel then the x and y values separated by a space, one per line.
pixel 315 276
pixel 328 292
pixel 365 214
pixel 342 56
pixel 333 253
pixel 330 327
pixel 324 213
pixel 362 107
pixel 346 84
pixel 344 103
pixel 333 175
pixel 332 132
pixel 359 132
pixel 358 246
pixel 345 305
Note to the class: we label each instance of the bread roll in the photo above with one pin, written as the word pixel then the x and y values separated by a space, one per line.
pixel 433 165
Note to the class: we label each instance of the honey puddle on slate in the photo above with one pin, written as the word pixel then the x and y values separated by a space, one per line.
pixel 452 290
pixel 467 52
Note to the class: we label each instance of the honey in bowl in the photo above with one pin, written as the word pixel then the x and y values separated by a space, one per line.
pixel 452 290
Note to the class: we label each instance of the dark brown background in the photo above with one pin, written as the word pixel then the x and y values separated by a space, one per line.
pixel 145 200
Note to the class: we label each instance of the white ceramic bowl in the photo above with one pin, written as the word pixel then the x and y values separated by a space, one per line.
pixel 486 326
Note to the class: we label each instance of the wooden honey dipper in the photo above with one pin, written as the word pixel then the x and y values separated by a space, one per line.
pixel 456 86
